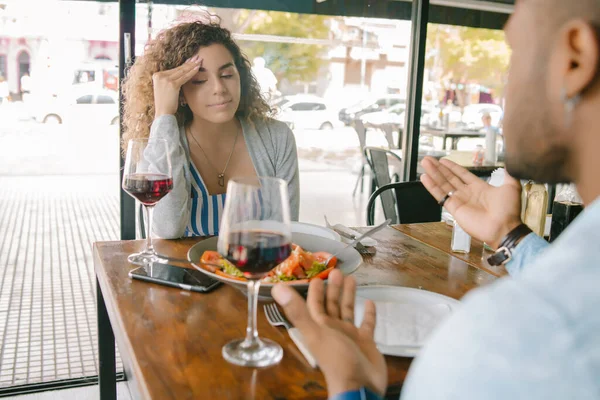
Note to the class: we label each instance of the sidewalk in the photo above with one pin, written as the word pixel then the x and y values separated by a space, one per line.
pixel 47 291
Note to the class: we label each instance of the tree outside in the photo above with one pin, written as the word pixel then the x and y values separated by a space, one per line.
pixel 461 56
pixel 293 62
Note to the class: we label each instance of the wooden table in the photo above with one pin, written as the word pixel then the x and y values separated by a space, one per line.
pixel 439 236
pixel 170 340
pixel 454 135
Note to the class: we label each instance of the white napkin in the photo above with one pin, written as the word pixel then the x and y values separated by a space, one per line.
pixel 497 178
pixel 342 228
pixel 403 324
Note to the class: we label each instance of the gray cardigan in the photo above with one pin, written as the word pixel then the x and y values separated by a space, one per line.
pixel 272 148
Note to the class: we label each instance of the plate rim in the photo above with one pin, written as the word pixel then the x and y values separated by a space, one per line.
pixel 403 351
pixel 408 288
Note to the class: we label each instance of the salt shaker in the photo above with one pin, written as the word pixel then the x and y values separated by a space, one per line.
pixel 461 240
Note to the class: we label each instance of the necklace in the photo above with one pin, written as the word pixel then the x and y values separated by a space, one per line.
pixel 220 175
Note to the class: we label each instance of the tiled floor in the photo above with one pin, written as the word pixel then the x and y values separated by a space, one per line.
pixel 82 393
pixel 47 287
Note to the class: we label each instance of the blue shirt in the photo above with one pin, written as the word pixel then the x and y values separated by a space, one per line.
pixel 534 335
pixel 362 394
pixel 206 209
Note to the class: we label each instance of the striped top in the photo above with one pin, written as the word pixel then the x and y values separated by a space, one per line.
pixel 272 148
pixel 205 210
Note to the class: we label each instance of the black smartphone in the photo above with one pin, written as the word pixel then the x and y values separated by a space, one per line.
pixel 179 277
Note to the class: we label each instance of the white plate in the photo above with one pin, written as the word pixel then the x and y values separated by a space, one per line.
pixel 404 296
pixel 348 260
pixel 315 230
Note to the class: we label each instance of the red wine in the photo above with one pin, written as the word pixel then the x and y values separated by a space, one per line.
pixel 148 188
pixel 257 252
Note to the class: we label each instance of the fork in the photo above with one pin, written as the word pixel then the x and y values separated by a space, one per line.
pixel 275 318
pixel 361 237
pixel 361 248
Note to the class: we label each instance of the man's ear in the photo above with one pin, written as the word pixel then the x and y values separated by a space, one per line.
pixel 579 41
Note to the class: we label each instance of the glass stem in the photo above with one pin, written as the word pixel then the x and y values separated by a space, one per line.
pixel 251 330
pixel 149 211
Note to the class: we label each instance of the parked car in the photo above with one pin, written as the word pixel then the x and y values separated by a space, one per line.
pixel 372 104
pixel 395 116
pixel 306 112
pixel 102 74
pixel 97 106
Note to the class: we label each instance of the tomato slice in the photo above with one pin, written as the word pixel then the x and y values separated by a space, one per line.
pixel 291 266
pixel 211 257
pixel 305 258
pixel 324 274
pixel 322 256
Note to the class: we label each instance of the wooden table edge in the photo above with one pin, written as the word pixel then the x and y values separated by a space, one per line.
pixel 116 320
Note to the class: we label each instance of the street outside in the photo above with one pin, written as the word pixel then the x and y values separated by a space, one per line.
pixel 329 160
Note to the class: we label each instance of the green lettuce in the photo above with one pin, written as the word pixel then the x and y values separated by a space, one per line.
pixel 315 269
pixel 285 278
pixel 230 269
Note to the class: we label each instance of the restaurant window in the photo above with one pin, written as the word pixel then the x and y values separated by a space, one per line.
pixel 465 74
pixel 59 187
pixel 326 68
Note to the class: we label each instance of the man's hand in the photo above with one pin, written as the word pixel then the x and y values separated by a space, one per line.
pixel 347 355
pixel 485 212
pixel 167 85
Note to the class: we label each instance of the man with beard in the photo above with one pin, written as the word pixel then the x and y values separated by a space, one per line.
pixel 536 334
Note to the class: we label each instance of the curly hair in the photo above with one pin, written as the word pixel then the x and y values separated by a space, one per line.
pixel 171 48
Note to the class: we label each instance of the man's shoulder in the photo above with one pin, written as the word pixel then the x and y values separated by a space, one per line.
pixel 512 338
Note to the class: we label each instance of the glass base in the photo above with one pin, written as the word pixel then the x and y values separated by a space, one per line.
pixel 145 258
pixel 262 353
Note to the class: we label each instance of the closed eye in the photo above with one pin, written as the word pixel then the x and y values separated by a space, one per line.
pixel 226 76
pixel 198 82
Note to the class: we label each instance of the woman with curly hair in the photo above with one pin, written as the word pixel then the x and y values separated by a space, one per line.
pixel 194 88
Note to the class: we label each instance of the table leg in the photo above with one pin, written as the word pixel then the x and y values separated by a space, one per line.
pixel 389 136
pixel 455 143
pixel 107 380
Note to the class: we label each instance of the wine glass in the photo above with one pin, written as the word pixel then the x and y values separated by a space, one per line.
pixel 148 178
pixel 255 236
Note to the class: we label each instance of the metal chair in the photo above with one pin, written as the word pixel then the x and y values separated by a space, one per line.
pixel 405 203
pixel 382 162
pixel 361 132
